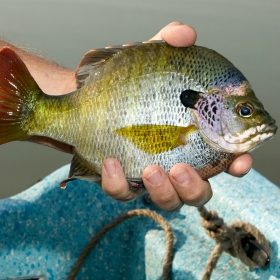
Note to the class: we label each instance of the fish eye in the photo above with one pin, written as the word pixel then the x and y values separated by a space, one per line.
pixel 245 110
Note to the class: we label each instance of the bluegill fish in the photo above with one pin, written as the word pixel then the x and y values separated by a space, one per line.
pixel 143 104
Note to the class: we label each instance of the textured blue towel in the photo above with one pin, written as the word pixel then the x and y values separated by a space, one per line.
pixel 44 229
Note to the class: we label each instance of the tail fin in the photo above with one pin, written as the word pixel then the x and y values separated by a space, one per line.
pixel 18 90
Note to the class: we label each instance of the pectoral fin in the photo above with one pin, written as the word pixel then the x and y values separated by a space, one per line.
pixel 81 169
pixel 156 139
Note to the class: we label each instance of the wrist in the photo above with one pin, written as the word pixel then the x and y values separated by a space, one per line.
pixel 51 78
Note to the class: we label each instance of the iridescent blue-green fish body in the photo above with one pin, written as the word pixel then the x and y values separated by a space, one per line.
pixel 143 104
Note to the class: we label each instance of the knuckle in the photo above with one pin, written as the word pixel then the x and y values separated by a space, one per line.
pixel 195 196
pixel 121 192
pixel 166 200
pixel 113 190
pixel 130 195
pixel 176 207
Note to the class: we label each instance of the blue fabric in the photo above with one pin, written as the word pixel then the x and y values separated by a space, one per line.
pixel 44 229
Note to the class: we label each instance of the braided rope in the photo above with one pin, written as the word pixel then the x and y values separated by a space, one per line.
pixel 133 213
pixel 228 238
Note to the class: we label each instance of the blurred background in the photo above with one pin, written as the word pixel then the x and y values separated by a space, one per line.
pixel 245 32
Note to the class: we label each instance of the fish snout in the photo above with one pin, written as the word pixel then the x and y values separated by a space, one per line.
pixel 267 127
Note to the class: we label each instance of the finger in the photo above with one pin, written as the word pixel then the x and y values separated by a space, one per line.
pixel 114 182
pixel 241 165
pixel 160 188
pixel 191 189
pixel 177 34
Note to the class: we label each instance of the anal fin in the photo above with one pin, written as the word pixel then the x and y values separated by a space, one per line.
pixel 80 169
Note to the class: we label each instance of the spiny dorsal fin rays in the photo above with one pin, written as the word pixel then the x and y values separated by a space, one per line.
pixel 97 57
pixel 156 139
pixel 90 61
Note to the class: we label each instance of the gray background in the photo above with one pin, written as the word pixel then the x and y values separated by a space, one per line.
pixel 246 32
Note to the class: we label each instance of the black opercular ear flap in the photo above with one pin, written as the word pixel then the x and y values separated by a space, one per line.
pixel 189 98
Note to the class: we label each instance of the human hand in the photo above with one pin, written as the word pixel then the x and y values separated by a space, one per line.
pixel 183 185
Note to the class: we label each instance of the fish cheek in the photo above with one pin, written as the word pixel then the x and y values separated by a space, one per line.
pixel 208 115
pixel 233 125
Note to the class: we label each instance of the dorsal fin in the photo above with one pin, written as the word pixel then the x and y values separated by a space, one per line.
pixel 90 61
pixel 97 57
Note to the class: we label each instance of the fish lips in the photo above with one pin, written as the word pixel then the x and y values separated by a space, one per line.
pixel 247 141
pixel 265 128
pixel 264 133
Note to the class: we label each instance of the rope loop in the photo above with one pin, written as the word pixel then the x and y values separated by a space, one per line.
pixel 167 263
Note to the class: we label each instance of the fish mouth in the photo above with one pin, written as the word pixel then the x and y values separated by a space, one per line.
pixel 261 134
pixel 247 141
pixel 264 133
pixel 265 128
pixel 254 134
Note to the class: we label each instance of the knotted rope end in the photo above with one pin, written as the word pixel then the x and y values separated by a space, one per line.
pixel 239 239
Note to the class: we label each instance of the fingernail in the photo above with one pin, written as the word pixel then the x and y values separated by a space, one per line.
pixel 204 201
pixel 181 177
pixel 154 178
pixel 110 167
pixel 240 176
pixel 177 207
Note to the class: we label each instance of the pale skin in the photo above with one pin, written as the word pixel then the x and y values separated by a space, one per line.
pixel 168 191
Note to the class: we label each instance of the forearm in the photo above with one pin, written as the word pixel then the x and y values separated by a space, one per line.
pixel 52 78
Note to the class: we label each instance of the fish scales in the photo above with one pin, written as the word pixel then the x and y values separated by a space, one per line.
pixel 151 104
pixel 129 81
